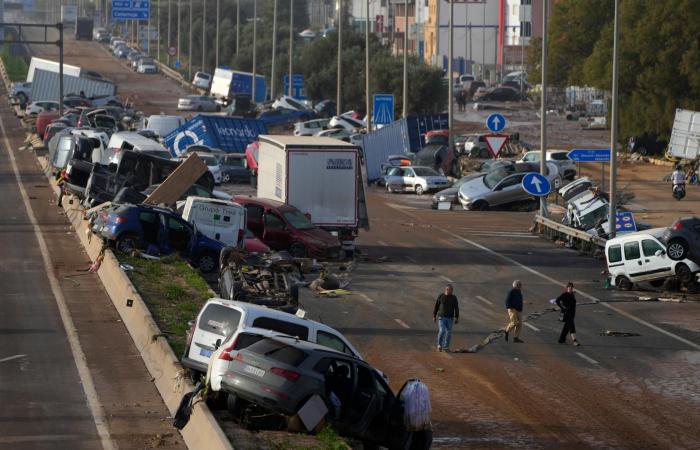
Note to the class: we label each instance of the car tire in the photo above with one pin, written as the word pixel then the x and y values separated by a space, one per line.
pixel 233 404
pixel 483 153
pixel 480 205
pixel 623 283
pixel 298 250
pixel 419 189
pixel 684 274
pixel 126 243
pixel 642 151
pixel 657 283
pixel 677 249
pixel 22 97
pixel 226 178
pixel 207 262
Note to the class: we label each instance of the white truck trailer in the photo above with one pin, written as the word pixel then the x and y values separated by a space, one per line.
pixel 321 177
pixel 685 135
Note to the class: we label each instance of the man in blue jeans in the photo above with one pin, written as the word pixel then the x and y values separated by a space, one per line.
pixel 446 313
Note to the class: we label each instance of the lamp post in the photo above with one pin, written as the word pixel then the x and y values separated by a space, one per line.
pixel 340 62
pixel 613 129
pixel 291 44
pixel 404 97
pixel 274 50
pixel 367 104
pixel 543 106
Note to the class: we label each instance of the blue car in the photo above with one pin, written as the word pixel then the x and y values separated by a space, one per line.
pixel 130 227
pixel 283 115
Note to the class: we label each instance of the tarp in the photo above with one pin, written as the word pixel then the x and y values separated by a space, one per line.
pixel 228 134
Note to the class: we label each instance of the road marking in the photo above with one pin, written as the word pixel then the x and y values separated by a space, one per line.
pixel 10 358
pixel 446 279
pixel 366 297
pixel 560 283
pixel 88 384
pixel 532 327
pixel 484 300
pixel 402 323
pixel 411 259
pixel 382 243
pixel 588 358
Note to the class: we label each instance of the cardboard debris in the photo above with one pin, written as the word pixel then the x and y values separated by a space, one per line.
pixel 178 182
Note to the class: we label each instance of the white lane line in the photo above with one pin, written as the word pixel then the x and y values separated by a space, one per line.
pixel 446 279
pixel 561 284
pixel 366 297
pixel 402 323
pixel 530 326
pixel 411 259
pixel 98 415
pixel 10 358
pixel 588 358
pixel 382 243
pixel 488 302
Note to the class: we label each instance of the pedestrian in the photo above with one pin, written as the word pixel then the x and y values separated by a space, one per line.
pixel 61 182
pixel 567 304
pixel 514 306
pixel 446 314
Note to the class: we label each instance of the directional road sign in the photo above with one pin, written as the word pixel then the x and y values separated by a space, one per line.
pixel 297 85
pixel 624 223
pixel 536 184
pixel 496 122
pixel 590 154
pixel 383 109
pixel 131 9
pixel 495 143
pixel 172 50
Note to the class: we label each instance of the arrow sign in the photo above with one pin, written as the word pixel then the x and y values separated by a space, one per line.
pixel 495 143
pixel 590 154
pixel 496 122
pixel 383 109
pixel 536 184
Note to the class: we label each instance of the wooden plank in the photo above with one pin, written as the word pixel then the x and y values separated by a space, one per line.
pixel 178 182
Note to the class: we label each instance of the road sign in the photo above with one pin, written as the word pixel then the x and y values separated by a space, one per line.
pixel 383 109
pixel 624 223
pixel 536 184
pixel 496 122
pixel 495 143
pixel 297 85
pixel 131 9
pixel 590 154
pixel 172 51
pixel 178 64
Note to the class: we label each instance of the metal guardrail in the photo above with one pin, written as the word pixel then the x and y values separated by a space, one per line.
pixel 5 76
pixel 558 228
pixel 173 75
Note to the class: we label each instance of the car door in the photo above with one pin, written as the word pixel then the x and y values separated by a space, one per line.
pixel 408 179
pixel 508 190
pixel 275 232
pixel 179 234
pixel 655 261
pixel 364 404
pixel 254 222
pixel 634 265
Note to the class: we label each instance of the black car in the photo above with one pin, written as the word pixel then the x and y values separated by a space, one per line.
pixel 682 239
pixel 234 168
pixel 498 94
pixel 325 109
pixel 646 144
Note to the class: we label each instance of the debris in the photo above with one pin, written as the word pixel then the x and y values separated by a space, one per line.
pixel 619 334
pixel 440 369
pixel 126 267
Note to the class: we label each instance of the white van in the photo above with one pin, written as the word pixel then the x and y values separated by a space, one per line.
pixel 217 219
pixel 130 140
pixel 220 322
pixel 641 256
pixel 162 125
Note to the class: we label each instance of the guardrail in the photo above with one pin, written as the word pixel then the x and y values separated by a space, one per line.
pixel 173 75
pixel 553 229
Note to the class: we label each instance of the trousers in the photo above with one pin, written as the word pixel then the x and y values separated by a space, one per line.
pixel 569 327
pixel 515 322
pixel 445 331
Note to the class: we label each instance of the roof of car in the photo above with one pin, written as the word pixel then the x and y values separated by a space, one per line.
pixel 294 141
pixel 262 201
pixel 656 232
pixel 308 346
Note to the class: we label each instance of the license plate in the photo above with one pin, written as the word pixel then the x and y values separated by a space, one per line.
pixel 255 371
pixel 205 352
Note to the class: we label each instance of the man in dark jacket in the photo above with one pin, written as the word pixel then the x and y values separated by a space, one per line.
pixel 514 306
pixel 446 313
pixel 567 304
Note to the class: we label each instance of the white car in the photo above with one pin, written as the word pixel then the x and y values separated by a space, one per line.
pixel 202 80
pixel 146 65
pixel 41 106
pixel 310 128
pixel 567 167
pixel 346 122
pixel 418 179
pixel 198 103
pixel 212 164
pixel 288 102
pixel 21 91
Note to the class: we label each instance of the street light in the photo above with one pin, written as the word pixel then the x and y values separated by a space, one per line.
pixel 613 131
pixel 189 47
pixel 204 35
pixel 274 50
pixel 450 100
pixel 291 44
pixel 255 29
pixel 543 106
pixel 340 62
pixel 218 19
pixel 404 98
pixel 367 107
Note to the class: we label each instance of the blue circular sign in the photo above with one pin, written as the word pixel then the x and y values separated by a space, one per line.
pixel 536 184
pixel 496 122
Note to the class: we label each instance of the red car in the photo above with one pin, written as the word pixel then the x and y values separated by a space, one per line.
pixel 283 227
pixel 43 119
pixel 251 157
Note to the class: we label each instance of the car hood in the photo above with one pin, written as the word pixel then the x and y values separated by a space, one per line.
pixel 438 179
pixel 449 192
pixel 474 188
pixel 255 245
pixel 319 237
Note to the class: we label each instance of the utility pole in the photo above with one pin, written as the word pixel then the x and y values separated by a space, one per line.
pixel 543 107
pixel 218 21
pixel 613 129
pixel 404 96
pixel 189 47
pixel 291 45
pixel 204 35
pixel 274 51
pixel 169 35
pixel 255 33
pixel 179 43
pixel 340 62
pixel 158 26
pixel 238 24
pixel 367 107
pixel 483 43
pixel 148 32
pixel 438 58
pixel 450 49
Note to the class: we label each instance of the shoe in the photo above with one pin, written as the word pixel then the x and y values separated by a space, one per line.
pixel 577 344
pixel 439 348
pixel 518 340
pixel 506 335
pixel 562 342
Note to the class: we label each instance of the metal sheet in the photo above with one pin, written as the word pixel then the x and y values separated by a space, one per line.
pixel 685 135
pixel 45 86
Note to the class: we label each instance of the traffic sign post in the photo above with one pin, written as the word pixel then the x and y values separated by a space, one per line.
pixel 536 184
pixel 496 122
pixel 601 155
pixel 383 110
pixel 495 143
pixel 131 9
pixel 624 223
pixel 172 50
pixel 297 85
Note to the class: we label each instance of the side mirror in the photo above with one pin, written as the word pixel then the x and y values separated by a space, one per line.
pixel 217 344
pixel 659 253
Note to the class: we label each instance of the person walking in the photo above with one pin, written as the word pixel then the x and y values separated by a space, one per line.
pixel 514 306
pixel 567 304
pixel 446 314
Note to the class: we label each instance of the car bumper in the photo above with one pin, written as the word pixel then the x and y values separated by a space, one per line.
pixel 191 364
pixel 255 392
pixel 186 107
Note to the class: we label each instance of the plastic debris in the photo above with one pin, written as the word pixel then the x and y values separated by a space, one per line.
pixel 416 398
pixel 619 334
pixel 126 267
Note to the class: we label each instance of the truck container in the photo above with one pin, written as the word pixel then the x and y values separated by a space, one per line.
pixel 404 136
pixel 685 135
pixel 50 66
pixel 45 86
pixel 68 15
pixel 83 28
pixel 220 220
pixel 227 83
pixel 228 134
pixel 319 176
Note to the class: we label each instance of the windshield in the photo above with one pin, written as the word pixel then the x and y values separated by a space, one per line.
pixel 589 220
pixel 234 162
pixel 492 179
pixel 425 172
pixel 298 220
pixel 210 160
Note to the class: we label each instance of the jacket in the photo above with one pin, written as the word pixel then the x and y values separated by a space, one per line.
pixel 515 300
pixel 446 306
pixel 567 303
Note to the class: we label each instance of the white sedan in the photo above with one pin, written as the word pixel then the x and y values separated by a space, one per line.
pixel 198 103
pixel 418 179
pixel 41 106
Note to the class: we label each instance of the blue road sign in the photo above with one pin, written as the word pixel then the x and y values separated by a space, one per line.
pixel 131 9
pixel 383 109
pixel 536 184
pixel 297 86
pixel 178 64
pixel 624 223
pixel 496 122
pixel 590 154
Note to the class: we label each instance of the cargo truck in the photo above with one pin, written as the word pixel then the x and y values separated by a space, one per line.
pixel 321 177
pixel 226 84
pixel 69 13
pixel 83 28
pixel 45 86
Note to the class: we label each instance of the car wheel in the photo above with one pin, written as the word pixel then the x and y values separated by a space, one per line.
pixel 677 249
pixel 642 151
pixel 480 205
pixel 22 97
pixel 207 262
pixel 483 153
pixel 226 178
pixel 684 274
pixel 126 243
pixel 657 283
pixel 419 189
pixel 623 283
pixel 298 250
pixel 233 404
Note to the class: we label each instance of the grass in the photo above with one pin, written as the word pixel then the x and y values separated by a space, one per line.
pixel 16 67
pixel 173 291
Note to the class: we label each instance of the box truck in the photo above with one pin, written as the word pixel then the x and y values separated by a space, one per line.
pixel 50 66
pixel 685 135
pixel 227 83
pixel 220 220
pixel 68 15
pixel 45 86
pixel 320 176
pixel 83 28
